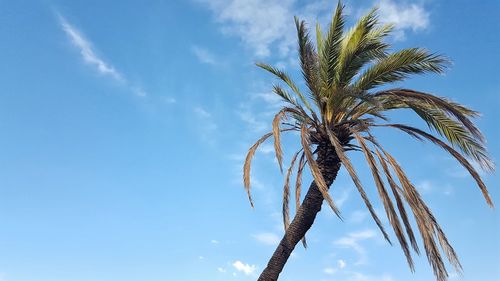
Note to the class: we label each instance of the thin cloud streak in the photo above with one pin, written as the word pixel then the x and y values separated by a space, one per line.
pixel 87 52
pixel 90 57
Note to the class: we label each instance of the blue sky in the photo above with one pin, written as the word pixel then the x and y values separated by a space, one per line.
pixel 124 127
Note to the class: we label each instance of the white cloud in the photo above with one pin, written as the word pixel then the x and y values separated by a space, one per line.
pixel 170 100
pixel 86 50
pixel 221 270
pixel 267 238
pixel 247 269
pixel 357 276
pixel 342 197
pixel 270 98
pixel 353 241
pixel 404 16
pixel 213 241
pixel 90 56
pixel 330 270
pixel 266 148
pixel 250 118
pixel 358 216
pixel 266 26
pixel 425 186
pixel 206 126
pixel 203 55
pixel 342 264
pixel 202 112
pixel 258 23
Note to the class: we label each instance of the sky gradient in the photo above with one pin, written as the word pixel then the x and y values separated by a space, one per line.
pixel 125 125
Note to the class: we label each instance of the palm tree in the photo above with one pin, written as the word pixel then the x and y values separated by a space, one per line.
pixel 344 73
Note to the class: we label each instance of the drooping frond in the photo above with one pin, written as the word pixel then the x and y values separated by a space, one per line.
pixel 468 166
pixel 398 66
pixel 298 187
pixel 316 172
pixel 399 202
pixel 248 164
pixel 428 227
pixel 452 108
pixel 286 193
pixel 386 201
pixel 277 138
pixel 347 164
pixel 298 181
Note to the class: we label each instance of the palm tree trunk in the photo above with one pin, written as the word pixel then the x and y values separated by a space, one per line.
pixel 329 165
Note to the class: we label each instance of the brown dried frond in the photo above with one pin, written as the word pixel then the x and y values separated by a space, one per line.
pixel 425 221
pixel 347 164
pixel 276 134
pixel 453 152
pixel 315 171
pixel 384 196
pixel 286 193
pixel 298 187
pixel 399 202
pixel 248 163
pixel 298 181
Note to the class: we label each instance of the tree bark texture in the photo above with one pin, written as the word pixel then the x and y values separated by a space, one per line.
pixel 329 165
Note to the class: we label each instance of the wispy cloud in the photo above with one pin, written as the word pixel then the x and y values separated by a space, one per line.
pixel 86 50
pixel 267 238
pixel 353 241
pixel 246 268
pixel 206 126
pixel 90 56
pixel 204 55
pixel 404 16
pixel 257 23
pixel 266 26
pixel 341 264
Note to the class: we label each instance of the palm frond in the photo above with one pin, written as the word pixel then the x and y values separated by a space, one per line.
pixel 316 172
pixel 399 201
pixel 298 187
pixel 331 48
pixel 285 78
pixel 286 193
pixel 386 201
pixel 308 60
pixel 248 162
pixel 399 65
pixel 452 108
pixel 468 166
pixel 360 45
pixel 426 223
pixel 347 164
pixel 277 139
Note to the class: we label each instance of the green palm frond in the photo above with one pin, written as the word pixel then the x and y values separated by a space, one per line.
pixel 399 65
pixel 419 134
pixel 308 61
pixel 330 49
pixel 360 45
pixel 285 78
